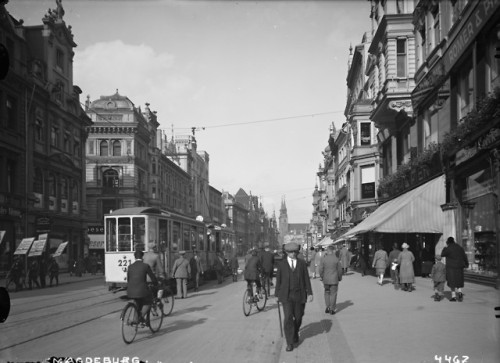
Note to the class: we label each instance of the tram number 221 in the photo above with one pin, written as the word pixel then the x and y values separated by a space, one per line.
pixel 124 263
pixel 451 359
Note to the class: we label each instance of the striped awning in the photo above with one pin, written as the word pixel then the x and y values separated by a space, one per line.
pixel 417 211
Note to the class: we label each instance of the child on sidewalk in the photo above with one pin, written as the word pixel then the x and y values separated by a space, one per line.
pixel 438 276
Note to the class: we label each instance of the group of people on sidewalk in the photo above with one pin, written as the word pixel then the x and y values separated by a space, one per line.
pixel 402 272
pixel 37 271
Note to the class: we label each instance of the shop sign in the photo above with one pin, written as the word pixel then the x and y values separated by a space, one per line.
pixel 9 212
pixel 43 224
pixel 481 14
pixel 37 248
pixel 24 246
pixel 465 154
pixel 95 229
pixel 490 139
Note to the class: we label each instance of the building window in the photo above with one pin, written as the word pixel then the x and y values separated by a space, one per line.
pixel 76 148
pixel 60 59
pixel 110 179
pixel 39 130
pixel 38 181
pixel 401 57
pixel 436 30
pixel 365 133
pixel 54 136
pixel 52 185
pixel 66 143
pixel 103 148
pixel 368 181
pixel 11 176
pixel 466 89
pixel 117 148
pixel 11 105
pixel 90 146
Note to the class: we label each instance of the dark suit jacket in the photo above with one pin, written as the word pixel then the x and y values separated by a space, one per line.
pixel 267 261
pixel 137 273
pixel 282 289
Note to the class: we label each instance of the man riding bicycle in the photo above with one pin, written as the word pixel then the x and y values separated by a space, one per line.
pixel 137 285
pixel 252 271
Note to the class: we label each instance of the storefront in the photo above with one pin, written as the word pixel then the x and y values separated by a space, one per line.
pixel 474 178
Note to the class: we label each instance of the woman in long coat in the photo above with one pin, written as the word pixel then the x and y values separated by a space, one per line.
pixel 406 273
pixel 379 263
pixel 456 261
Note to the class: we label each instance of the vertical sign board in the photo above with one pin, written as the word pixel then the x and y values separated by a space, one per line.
pixel 60 249
pixel 24 246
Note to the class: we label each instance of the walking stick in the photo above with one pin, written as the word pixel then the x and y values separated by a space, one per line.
pixel 279 316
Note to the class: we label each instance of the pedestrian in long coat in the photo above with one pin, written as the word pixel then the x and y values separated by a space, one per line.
pixel 379 263
pixel 456 261
pixel 181 271
pixel 344 258
pixel 267 261
pixel 406 272
pixel 330 272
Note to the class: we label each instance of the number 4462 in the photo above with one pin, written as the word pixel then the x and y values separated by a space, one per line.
pixel 451 359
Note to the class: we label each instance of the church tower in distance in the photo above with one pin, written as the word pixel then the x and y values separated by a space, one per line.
pixel 283 222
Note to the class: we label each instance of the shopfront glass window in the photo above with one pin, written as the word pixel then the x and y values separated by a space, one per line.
pixel 478 223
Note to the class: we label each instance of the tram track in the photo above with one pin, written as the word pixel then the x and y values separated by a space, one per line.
pixel 33 338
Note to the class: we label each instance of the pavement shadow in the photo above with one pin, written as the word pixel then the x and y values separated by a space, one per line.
pixel 190 310
pixel 316 328
pixel 344 305
pixel 178 325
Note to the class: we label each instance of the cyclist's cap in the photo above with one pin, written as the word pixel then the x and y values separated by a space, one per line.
pixel 182 252
pixel 138 254
pixel 291 246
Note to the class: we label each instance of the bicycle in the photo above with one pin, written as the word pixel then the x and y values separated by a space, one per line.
pixel 259 300
pixel 131 321
pixel 167 299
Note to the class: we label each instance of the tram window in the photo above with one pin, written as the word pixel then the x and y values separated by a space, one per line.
pixel 139 230
pixel 201 239
pixel 193 238
pixel 163 237
pixel 111 234
pixel 176 235
pixel 124 234
pixel 152 232
pixel 186 239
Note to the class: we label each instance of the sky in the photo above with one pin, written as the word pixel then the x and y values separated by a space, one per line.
pixel 262 81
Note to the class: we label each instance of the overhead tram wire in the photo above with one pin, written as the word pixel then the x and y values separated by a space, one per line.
pixel 259 121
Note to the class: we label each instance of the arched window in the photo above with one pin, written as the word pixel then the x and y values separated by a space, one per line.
pixel 103 148
pixel 117 148
pixel 110 179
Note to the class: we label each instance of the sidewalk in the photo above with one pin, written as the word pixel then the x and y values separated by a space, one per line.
pixel 381 324
pixel 64 278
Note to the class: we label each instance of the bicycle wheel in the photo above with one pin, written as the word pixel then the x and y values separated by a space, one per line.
pixel 155 316
pixel 247 303
pixel 261 302
pixel 168 302
pixel 130 319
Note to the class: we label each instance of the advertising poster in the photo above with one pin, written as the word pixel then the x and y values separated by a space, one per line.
pixel 24 246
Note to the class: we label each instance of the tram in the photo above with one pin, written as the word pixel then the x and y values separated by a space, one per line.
pixel 143 228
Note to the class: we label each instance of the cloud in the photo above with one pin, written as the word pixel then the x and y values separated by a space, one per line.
pixel 137 71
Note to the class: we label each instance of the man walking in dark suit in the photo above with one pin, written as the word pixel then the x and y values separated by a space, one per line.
pixel 293 290
pixel 137 286
pixel 330 272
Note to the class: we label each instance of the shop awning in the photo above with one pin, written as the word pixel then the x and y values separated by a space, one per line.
pixel 417 211
pixel 324 242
